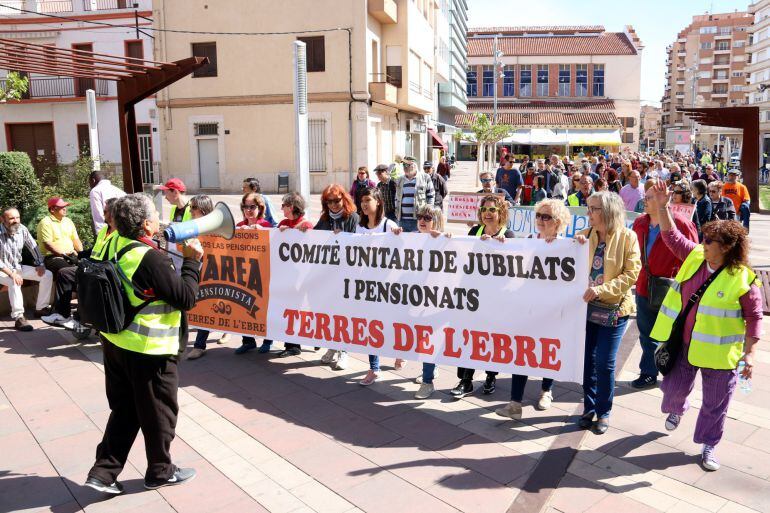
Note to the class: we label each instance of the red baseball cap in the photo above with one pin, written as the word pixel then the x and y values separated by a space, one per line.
pixel 57 202
pixel 174 184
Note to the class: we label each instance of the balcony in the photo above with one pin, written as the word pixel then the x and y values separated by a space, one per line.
pixel 62 88
pixel 60 6
pixel 382 90
pixel 385 11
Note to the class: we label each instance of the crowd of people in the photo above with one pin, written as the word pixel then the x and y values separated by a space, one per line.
pixel 651 270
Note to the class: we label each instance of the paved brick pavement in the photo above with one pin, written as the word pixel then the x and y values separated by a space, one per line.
pixel 290 435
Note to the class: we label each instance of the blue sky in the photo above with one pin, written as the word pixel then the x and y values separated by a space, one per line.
pixel 656 22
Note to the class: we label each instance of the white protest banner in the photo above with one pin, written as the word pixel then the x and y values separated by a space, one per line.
pixel 512 307
pixel 685 209
pixel 463 207
pixel 522 220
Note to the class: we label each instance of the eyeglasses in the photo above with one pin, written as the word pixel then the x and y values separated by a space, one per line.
pixel 489 209
pixel 248 207
pixel 544 217
pixel 334 200
pixel 426 218
pixel 709 240
pixel 594 209
pixel 487 180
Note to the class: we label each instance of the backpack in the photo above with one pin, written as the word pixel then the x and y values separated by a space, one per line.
pixel 103 303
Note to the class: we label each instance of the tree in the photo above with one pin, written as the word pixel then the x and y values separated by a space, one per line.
pixel 484 133
pixel 15 86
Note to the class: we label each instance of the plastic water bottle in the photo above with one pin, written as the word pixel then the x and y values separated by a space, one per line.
pixel 743 383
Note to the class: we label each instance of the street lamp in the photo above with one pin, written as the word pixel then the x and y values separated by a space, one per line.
pixel 497 55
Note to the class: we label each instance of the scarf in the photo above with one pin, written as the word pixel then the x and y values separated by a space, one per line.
pixel 336 216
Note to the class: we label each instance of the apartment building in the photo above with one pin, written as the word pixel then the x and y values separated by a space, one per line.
pixel 706 68
pixel 650 128
pixel 758 68
pixel 50 122
pixel 452 97
pixel 372 75
pixel 565 89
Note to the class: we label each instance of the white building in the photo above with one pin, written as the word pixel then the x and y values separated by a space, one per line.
pixel 758 68
pixel 50 123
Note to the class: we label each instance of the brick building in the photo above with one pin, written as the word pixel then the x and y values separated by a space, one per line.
pixel 705 68
pixel 564 88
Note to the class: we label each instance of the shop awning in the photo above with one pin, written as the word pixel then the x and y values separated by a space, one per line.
pixel 437 140
pixel 537 136
pixel 596 137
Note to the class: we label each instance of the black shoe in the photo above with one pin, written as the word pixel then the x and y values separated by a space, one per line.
pixel 462 389
pixel 22 324
pixel 113 489
pixel 489 385
pixel 180 475
pixel 45 311
pixel 601 426
pixel 248 346
pixel 586 420
pixel 644 381
pixel 289 352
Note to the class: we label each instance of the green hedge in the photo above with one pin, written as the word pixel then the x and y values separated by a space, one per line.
pixel 80 213
pixel 19 185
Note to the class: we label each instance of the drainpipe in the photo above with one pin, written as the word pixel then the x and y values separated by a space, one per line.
pixel 352 100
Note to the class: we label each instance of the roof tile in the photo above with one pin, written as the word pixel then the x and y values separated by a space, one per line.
pixel 607 43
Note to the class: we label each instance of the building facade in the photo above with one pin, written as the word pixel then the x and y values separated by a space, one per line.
pixel 758 68
pixel 452 96
pixel 650 139
pixel 565 89
pixel 372 74
pixel 706 68
pixel 50 122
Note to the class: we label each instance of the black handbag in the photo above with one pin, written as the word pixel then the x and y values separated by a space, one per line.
pixel 657 286
pixel 668 351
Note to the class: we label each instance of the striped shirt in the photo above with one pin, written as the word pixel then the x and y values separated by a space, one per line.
pixel 407 199
pixel 11 246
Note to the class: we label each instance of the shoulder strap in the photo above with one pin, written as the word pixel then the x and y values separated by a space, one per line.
pixel 128 247
pixel 699 293
pixel 139 293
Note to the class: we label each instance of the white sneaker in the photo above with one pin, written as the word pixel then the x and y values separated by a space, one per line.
pixel 342 361
pixel 55 319
pixel 328 357
pixel 425 391
pixel 708 459
pixel 546 398
pixel 512 410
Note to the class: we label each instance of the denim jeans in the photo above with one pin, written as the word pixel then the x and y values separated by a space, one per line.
pixel 645 320
pixel 409 225
pixel 744 214
pixel 374 363
pixel 519 382
pixel 200 339
pixel 602 344
pixel 428 371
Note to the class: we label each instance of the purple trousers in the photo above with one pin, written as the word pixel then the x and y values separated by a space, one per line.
pixel 718 388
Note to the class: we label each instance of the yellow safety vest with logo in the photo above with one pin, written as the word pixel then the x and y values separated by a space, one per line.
pixel 573 200
pixel 480 231
pixel 101 242
pixel 155 329
pixel 719 330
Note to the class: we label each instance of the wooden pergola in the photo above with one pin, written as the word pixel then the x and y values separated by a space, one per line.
pixel 747 119
pixel 136 79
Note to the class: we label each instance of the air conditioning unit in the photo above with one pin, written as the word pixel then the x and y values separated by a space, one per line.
pixel 416 126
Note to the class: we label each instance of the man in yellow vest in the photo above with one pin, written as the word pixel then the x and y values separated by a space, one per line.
pixel 174 192
pixel 140 362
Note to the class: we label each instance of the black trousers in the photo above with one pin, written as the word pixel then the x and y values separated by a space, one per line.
pixel 64 278
pixel 467 374
pixel 141 391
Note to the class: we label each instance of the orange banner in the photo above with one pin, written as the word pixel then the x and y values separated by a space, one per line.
pixel 235 284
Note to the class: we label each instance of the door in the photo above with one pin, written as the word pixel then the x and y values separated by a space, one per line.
pixel 37 141
pixel 208 163
pixel 145 152
pixel 84 84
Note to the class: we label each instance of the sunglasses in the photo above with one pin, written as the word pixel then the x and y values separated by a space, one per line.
pixel 678 192
pixel 544 217
pixel 248 207
pixel 334 200
pixel 489 209
pixel 486 180
pixel 709 240
pixel 426 218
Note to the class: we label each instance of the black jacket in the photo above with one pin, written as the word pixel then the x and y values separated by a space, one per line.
pixel 156 275
pixel 439 185
pixel 345 224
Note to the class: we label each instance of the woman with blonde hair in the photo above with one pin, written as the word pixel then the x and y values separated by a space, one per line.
pixel 551 220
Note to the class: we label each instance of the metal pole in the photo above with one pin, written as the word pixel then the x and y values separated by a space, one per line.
pixel 93 129
pixel 494 84
pixel 301 148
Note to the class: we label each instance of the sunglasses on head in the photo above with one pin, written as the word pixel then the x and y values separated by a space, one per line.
pixel 544 217
pixel 489 209
pixel 427 218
